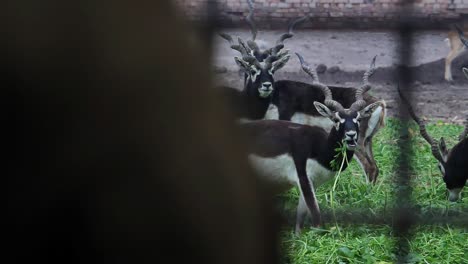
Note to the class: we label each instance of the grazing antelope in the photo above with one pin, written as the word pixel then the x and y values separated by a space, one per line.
pixel 289 154
pixel 294 101
pixel 453 163
pixel 259 68
pixel 457 44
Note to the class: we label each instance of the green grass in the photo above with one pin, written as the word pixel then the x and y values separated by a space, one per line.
pixel 365 243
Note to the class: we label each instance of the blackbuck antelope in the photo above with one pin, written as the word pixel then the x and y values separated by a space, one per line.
pixel 289 154
pixel 294 101
pixel 457 44
pixel 259 68
pixel 453 163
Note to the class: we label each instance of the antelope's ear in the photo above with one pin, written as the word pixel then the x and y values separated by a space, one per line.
pixel 465 71
pixel 279 64
pixel 368 110
pixel 242 64
pixel 324 110
pixel 443 147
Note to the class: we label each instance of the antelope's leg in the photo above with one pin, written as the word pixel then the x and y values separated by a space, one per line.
pixel 285 111
pixel 374 170
pixel 448 63
pixel 363 161
pixel 300 214
pixel 307 190
pixel 364 154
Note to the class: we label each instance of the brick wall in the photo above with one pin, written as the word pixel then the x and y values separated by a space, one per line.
pixel 334 13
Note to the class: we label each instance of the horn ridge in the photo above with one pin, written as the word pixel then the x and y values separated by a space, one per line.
pixel 422 128
pixel 365 87
pixel 316 83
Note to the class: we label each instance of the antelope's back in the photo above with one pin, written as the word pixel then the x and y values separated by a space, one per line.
pixel 275 137
pixel 302 95
pixel 458 157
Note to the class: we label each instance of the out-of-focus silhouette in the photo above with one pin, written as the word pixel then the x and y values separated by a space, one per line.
pixel 118 149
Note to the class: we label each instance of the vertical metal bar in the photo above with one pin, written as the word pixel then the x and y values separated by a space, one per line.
pixel 404 216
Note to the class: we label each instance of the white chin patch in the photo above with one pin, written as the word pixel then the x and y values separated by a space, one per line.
pixel 264 93
pixel 350 145
pixel 454 194
pixel 352 148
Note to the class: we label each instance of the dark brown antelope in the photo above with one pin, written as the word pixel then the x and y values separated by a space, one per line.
pixel 288 154
pixel 294 101
pixel 453 163
pixel 259 68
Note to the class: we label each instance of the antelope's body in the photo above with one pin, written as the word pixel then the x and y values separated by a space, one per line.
pixel 288 154
pixel 293 101
pixel 453 163
pixel 455 169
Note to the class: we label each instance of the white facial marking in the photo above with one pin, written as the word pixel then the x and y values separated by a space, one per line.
pixel 356 120
pixel 254 73
pixel 454 194
pixel 339 118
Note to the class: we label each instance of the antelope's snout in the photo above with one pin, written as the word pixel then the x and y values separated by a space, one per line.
pixel 351 138
pixel 454 194
pixel 266 89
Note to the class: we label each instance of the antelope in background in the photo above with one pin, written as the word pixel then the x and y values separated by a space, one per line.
pixel 455 42
pixel 288 154
pixel 259 67
pixel 453 163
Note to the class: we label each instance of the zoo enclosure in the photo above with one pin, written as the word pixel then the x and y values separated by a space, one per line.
pixel 405 16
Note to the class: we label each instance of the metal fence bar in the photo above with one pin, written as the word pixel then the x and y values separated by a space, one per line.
pixel 403 213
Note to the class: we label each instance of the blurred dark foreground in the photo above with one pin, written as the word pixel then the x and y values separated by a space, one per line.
pixel 118 150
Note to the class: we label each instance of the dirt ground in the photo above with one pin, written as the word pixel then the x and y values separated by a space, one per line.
pixel 346 54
